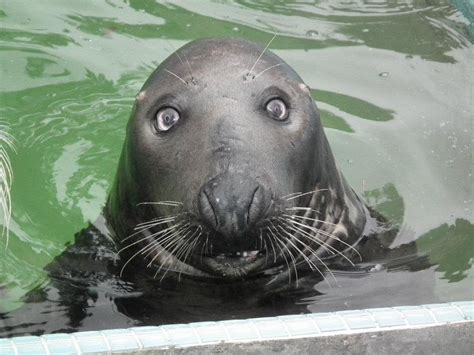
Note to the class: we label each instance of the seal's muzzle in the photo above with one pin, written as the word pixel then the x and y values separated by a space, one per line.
pixel 231 206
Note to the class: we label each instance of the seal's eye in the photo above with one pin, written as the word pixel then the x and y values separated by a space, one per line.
pixel 277 109
pixel 166 118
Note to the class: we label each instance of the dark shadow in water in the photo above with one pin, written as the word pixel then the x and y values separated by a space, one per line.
pixel 50 40
pixel 351 105
pixel 388 202
pixel 85 292
pixel 451 248
pixel 331 120
pixel 38 68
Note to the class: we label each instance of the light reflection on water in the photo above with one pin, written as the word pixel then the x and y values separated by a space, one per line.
pixel 389 77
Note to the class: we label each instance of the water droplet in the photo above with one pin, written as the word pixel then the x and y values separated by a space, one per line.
pixel 312 33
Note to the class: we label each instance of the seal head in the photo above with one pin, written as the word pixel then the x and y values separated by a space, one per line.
pixel 226 171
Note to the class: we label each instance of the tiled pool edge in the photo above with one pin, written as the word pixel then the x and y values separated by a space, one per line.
pixel 243 331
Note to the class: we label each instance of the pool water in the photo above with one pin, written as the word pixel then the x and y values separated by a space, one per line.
pixel 393 81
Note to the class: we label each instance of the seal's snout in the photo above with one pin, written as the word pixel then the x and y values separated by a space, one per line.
pixel 232 206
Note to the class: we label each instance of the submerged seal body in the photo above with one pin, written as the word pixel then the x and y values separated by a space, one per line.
pixel 226 171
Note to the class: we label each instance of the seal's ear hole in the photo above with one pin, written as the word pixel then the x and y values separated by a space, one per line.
pixel 277 109
pixel 166 118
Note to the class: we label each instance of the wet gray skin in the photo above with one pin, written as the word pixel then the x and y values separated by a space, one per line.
pixel 252 188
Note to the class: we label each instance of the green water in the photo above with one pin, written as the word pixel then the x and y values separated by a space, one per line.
pixel 393 81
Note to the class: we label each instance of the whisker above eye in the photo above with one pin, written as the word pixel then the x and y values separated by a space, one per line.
pixel 265 70
pixel 261 54
pixel 177 76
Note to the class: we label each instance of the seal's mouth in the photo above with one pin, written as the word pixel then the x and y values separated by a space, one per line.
pixel 238 258
pixel 233 264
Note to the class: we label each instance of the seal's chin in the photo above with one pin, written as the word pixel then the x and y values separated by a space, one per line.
pixel 232 266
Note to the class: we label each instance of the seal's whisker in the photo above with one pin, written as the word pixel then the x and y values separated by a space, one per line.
pixel 208 248
pixel 265 70
pixel 308 218
pixel 164 246
pixel 160 249
pixel 292 194
pixel 292 257
pixel 178 252
pixel 310 263
pixel 165 241
pixel 261 54
pixel 183 236
pixel 293 261
pixel 313 252
pixel 202 251
pixel 300 252
pixel 263 244
pixel 150 236
pixel 135 243
pixel 284 197
pixel 177 76
pixel 189 248
pixel 326 246
pixel 329 235
pixel 162 240
pixel 299 194
pixel 273 248
pixel 164 203
pixel 179 243
pixel 6 177
pixel 193 244
pixel 187 62
pixel 153 223
pixel 302 209
pixel 146 247
pixel 176 244
pixel 282 252
pixel 323 244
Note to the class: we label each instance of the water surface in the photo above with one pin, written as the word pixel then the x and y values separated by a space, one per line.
pixel 392 80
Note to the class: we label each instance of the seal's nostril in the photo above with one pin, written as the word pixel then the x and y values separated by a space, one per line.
pixel 207 210
pixel 255 206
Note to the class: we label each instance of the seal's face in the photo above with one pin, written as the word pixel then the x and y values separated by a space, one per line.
pixel 224 154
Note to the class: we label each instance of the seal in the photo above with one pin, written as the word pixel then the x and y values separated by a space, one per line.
pixel 226 171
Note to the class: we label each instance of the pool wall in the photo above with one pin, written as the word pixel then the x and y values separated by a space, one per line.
pixel 430 329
